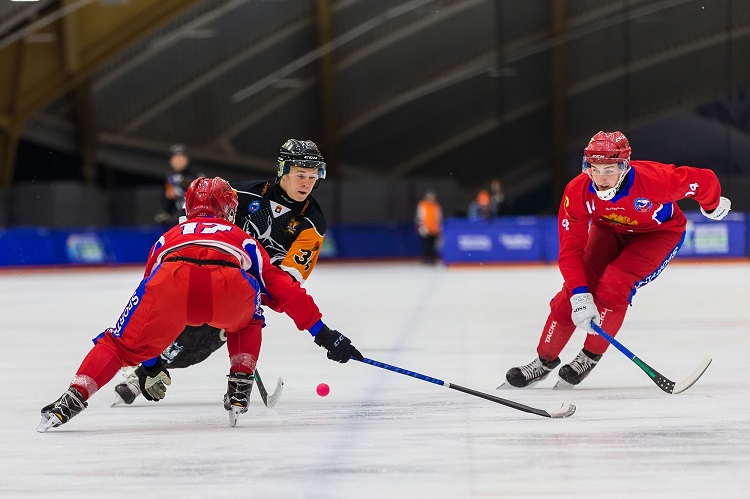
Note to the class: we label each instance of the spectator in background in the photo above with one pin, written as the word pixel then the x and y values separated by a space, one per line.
pixel 482 208
pixel 429 222
pixel 498 198
pixel 175 186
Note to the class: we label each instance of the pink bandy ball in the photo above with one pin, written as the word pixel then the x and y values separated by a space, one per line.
pixel 323 389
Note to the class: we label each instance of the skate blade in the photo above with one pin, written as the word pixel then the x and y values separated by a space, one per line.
pixel 47 422
pixel 508 386
pixel 563 385
pixel 234 414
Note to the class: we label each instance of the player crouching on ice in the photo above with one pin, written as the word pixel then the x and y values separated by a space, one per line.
pixel 619 226
pixel 206 270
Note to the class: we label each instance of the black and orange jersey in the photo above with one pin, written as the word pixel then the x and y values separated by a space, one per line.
pixel 290 231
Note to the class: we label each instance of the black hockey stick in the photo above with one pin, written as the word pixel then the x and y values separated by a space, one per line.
pixel 268 400
pixel 563 412
pixel 661 381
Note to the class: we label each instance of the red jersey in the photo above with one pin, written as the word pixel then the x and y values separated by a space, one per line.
pixel 277 286
pixel 645 203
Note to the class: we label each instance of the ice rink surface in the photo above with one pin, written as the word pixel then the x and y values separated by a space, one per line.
pixel 380 434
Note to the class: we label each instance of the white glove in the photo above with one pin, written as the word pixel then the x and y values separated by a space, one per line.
pixel 156 386
pixel 584 310
pixel 720 211
pixel 153 380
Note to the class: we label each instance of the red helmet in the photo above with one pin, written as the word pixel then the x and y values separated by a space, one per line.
pixel 607 145
pixel 212 197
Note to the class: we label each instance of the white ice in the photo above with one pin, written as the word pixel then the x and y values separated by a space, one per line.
pixel 380 434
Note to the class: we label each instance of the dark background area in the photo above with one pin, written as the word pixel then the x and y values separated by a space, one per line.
pixel 400 96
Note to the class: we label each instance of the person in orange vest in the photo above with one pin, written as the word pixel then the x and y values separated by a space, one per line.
pixel 429 222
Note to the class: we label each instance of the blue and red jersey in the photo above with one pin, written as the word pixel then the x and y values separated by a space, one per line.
pixel 234 245
pixel 646 202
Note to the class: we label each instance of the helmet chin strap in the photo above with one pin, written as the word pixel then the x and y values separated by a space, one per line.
pixel 608 194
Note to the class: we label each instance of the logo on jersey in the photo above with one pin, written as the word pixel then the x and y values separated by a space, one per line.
pixel 125 316
pixel 292 227
pixel 643 205
pixel 619 219
pixel 254 206
pixel 278 209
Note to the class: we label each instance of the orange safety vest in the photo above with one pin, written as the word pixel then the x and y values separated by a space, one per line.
pixel 430 216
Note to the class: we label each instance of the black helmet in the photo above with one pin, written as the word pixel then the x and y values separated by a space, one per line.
pixel 303 153
pixel 178 149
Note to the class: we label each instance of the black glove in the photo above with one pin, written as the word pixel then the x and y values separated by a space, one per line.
pixel 339 347
pixel 154 380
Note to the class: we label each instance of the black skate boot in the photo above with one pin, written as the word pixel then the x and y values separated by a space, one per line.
pixel 61 410
pixel 128 390
pixel 237 398
pixel 575 372
pixel 530 374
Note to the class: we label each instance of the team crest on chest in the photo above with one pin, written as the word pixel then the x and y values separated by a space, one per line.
pixel 292 227
pixel 643 205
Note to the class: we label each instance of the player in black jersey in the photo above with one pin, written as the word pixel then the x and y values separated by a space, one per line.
pixel 283 216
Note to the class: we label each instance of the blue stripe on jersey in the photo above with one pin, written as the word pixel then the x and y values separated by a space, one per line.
pixel 258 313
pixel 625 189
pixel 132 305
pixel 658 270
pixel 130 308
pixel 150 362
pixel 664 213
pixel 255 269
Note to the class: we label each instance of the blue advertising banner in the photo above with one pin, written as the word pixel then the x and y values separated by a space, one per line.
pixel 714 238
pixel 505 239
pixel 516 239
pixel 510 239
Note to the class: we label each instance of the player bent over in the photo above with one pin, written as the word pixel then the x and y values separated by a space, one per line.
pixel 205 270
pixel 619 226
pixel 284 217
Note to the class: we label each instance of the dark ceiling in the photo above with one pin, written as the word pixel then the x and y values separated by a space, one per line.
pixel 466 89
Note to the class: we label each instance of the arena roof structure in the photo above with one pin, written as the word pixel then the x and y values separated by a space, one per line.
pixel 462 89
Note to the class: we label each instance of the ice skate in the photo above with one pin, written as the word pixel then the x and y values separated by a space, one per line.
pixel 530 374
pixel 127 391
pixel 61 410
pixel 575 372
pixel 237 398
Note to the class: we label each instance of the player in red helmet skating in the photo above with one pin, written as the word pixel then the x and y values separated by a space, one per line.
pixel 284 216
pixel 206 270
pixel 619 226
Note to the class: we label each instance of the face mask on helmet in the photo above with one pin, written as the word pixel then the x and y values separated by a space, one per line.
pixel 607 153
pixel 302 153
pixel 603 169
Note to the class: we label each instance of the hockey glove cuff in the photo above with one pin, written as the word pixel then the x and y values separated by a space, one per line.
pixel 584 311
pixel 340 348
pixel 154 380
pixel 720 211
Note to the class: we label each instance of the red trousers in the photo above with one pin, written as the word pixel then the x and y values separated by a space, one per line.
pixel 177 294
pixel 617 265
